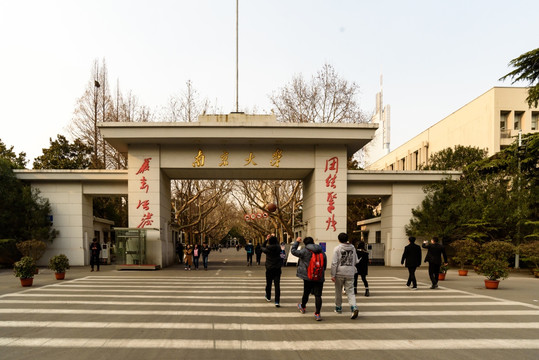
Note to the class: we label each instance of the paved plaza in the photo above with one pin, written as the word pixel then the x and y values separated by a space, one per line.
pixel 221 314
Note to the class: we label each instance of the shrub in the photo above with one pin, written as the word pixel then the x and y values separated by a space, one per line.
pixel 25 268
pixel 32 248
pixel 59 263
pixel 530 253
pixel 493 259
pixel 466 250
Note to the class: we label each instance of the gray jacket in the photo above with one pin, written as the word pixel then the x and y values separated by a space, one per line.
pixel 304 256
pixel 344 261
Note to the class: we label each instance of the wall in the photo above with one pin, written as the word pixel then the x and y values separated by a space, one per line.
pixel 72 217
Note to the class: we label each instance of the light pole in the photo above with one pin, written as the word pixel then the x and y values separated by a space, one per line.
pixel 519 200
pixel 96 87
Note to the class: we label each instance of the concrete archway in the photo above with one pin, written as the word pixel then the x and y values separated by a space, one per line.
pixel 235 146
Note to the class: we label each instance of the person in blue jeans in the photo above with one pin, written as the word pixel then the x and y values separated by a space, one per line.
pixel 205 253
pixel 196 256
pixel 250 249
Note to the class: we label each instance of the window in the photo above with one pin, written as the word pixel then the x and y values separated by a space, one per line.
pixel 517 123
pixel 504 116
pixel 415 161
pixel 378 237
pixel 535 120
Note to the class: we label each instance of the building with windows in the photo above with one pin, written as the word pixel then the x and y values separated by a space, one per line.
pixel 492 121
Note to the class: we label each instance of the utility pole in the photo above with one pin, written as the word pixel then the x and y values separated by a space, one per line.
pixel 519 200
pixel 237 57
pixel 96 87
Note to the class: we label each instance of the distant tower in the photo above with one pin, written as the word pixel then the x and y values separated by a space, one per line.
pixel 380 144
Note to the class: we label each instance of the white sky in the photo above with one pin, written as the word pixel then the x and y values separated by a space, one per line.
pixel 435 56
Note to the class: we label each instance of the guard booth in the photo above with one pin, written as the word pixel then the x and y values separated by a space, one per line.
pixel 131 247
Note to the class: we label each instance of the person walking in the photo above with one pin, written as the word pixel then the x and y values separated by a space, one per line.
pixel 258 253
pixel 309 286
pixel 435 251
pixel 411 258
pixel 343 268
pixel 196 256
pixel 362 267
pixel 273 268
pixel 205 254
pixel 249 249
pixel 95 250
pixel 188 252
pixel 179 251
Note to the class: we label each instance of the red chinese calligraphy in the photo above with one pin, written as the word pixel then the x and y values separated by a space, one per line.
pixel 332 164
pixel 145 166
pixel 331 223
pixel 145 204
pixel 330 181
pixel 331 201
pixel 143 184
pixel 146 220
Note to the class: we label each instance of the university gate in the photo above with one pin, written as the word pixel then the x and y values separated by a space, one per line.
pixel 236 147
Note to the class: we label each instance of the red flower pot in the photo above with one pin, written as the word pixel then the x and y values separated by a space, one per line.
pixel 463 272
pixel 60 276
pixel 491 284
pixel 441 276
pixel 27 281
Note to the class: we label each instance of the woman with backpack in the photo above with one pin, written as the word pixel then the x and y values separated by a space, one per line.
pixel 311 266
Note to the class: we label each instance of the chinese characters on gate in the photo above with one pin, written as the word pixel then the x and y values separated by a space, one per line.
pixel 144 204
pixel 200 159
pixel 332 168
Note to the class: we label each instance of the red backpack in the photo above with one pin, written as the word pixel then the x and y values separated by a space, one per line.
pixel 315 270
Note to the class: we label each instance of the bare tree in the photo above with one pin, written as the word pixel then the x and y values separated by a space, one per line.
pixel 96 105
pixel 326 98
pixel 254 195
pixel 194 200
pixel 187 106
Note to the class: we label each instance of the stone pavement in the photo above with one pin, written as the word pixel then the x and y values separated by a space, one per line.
pixel 221 314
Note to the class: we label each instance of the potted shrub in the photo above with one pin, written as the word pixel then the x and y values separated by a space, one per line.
pixel 32 248
pixel 492 262
pixel 443 271
pixel 530 253
pixel 25 269
pixel 59 263
pixel 466 251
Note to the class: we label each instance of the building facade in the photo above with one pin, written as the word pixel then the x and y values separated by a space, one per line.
pixel 492 121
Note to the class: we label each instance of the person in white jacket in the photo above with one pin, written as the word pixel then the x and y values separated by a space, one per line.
pixel 343 268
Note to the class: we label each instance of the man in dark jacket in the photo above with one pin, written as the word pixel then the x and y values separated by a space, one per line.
pixel 434 258
pixel 412 257
pixel 273 268
pixel 309 286
pixel 95 250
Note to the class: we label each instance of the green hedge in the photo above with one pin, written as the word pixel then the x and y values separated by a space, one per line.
pixel 9 253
